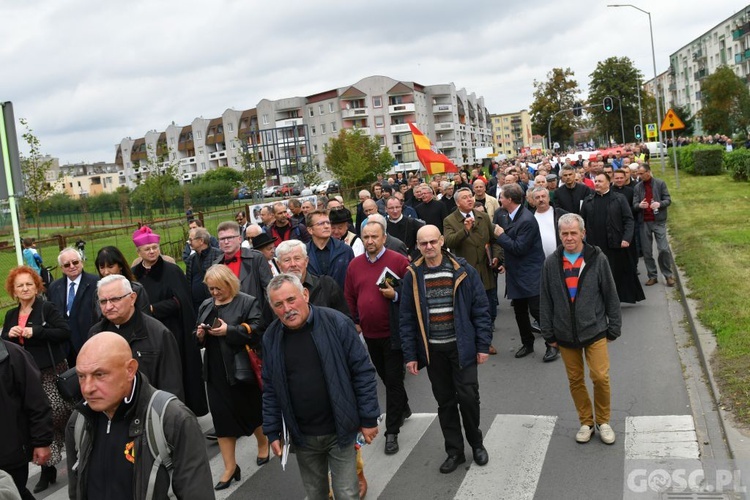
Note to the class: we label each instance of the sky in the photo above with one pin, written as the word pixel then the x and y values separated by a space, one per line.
pixel 86 74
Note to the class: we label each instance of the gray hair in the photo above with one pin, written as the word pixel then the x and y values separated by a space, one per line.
pixel 202 234
pixel 376 219
pixel 279 280
pixel 288 246
pixel 570 218
pixel 539 189
pixel 64 251
pixel 112 278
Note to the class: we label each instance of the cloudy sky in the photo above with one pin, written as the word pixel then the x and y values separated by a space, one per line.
pixel 86 74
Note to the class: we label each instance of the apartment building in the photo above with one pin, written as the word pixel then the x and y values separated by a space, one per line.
pixel 88 179
pixel 511 132
pixel 285 133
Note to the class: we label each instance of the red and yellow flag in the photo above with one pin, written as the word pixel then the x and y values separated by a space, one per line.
pixel 431 160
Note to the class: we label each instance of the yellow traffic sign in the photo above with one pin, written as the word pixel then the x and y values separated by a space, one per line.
pixel 651 131
pixel 671 122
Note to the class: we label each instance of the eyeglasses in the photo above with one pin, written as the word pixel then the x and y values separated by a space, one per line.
pixel 114 300
pixel 71 263
pixel 229 238
pixel 431 243
pixel 322 223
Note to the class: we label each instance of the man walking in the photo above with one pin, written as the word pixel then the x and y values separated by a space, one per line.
pixel 580 314
pixel 445 325
pixel 650 201
pixel 318 379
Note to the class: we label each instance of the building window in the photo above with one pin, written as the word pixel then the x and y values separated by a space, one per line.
pixel 322 128
pixel 312 130
pixel 203 166
pixel 333 126
pixel 200 151
pixel 315 148
pixel 330 107
pixel 264 119
pixel 230 125
pixel 200 135
pixel 320 109
pixel 171 140
pixel 377 101
pixel 379 121
pixel 311 111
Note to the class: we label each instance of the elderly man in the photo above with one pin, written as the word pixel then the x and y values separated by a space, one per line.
pixel 263 243
pixel 26 417
pixel 152 344
pixel 74 294
pixel 547 217
pixel 650 202
pixel 518 234
pixel 198 262
pixel 341 220
pixel 373 302
pixel 364 195
pixel 328 256
pixel 318 378
pixel 445 325
pixel 468 233
pixel 285 228
pixel 489 203
pixel 295 207
pixel 431 211
pixel 403 228
pixel 111 457
pixel 580 314
pixel 447 196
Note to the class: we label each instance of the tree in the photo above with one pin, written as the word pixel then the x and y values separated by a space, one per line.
pixel 726 103
pixel 618 78
pixel 254 174
pixel 160 182
pixel 222 174
pixel 683 112
pixel 355 158
pixel 557 93
pixel 37 171
pixel 309 172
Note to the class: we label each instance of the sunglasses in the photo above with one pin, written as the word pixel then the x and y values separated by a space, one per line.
pixel 71 263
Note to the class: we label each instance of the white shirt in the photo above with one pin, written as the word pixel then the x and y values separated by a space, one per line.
pixel 547 230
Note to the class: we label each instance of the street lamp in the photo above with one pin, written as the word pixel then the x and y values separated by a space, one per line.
pixel 656 83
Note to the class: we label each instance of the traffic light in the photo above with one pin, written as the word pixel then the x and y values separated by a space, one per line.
pixel 637 132
pixel 608 104
pixel 577 109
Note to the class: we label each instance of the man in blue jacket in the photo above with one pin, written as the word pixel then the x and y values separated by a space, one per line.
pixel 446 326
pixel 323 399
pixel 328 256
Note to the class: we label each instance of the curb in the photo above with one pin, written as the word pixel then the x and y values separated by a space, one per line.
pixel 737 439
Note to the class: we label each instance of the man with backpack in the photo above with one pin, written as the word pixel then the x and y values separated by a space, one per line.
pixel 130 440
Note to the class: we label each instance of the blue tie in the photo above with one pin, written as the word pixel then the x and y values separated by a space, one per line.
pixel 71 297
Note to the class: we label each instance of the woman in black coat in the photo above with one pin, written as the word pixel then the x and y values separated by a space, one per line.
pixel 41 329
pixel 228 324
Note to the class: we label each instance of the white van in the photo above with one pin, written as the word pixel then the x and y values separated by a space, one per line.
pixel 653 149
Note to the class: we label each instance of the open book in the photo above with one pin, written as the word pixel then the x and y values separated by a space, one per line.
pixel 389 277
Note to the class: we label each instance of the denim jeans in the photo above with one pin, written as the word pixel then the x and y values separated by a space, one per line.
pixel 321 454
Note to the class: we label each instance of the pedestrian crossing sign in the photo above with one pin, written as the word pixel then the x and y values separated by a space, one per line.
pixel 651 132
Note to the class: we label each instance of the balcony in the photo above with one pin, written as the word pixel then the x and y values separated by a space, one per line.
pixel 445 126
pixel 672 87
pixel 699 75
pixel 396 109
pixel 446 144
pixel 289 122
pixel 400 128
pixel 217 155
pixel 698 55
pixel 740 31
pixel 362 130
pixel 187 161
pixel 354 113
pixel 442 108
pixel 744 56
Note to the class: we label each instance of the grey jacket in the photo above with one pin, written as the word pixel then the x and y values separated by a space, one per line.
pixel 596 310
pixel 660 193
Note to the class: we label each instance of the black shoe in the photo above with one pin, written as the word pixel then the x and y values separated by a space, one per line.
pixel 406 414
pixel 480 455
pixel 391 444
pixel 264 460
pixel 237 475
pixel 551 354
pixel 524 351
pixel 47 477
pixel 451 463
pixel 535 327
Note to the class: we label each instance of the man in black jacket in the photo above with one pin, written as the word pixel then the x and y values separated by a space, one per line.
pixel 198 262
pixel 26 417
pixel 152 344
pixel 570 195
pixel 74 295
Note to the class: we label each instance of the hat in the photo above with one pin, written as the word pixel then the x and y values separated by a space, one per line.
pixel 263 240
pixel 551 177
pixel 144 236
pixel 340 215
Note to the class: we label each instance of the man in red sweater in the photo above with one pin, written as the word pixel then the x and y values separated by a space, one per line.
pixel 374 308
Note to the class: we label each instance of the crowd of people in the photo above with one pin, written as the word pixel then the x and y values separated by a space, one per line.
pixel 299 316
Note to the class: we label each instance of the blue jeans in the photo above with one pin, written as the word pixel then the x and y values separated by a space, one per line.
pixel 320 454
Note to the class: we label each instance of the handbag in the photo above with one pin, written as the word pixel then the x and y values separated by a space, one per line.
pixel 66 382
pixel 257 365
pixel 243 370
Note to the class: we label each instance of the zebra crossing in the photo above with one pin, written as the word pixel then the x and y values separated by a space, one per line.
pixel 517 445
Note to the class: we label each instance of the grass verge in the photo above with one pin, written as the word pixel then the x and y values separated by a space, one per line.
pixel 709 222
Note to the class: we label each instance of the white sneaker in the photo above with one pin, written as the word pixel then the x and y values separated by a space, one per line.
pixel 584 434
pixel 606 434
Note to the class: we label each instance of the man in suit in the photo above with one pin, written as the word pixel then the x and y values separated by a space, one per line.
pixel 468 233
pixel 517 232
pixel 74 295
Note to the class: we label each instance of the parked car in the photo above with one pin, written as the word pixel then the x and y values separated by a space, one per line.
pixel 271 191
pixel 328 187
pixel 289 189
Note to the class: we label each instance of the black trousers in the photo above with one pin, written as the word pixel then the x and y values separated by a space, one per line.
pixel 389 364
pixel 522 308
pixel 455 389
pixel 20 475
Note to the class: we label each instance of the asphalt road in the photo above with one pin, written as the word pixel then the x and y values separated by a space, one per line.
pixel 530 422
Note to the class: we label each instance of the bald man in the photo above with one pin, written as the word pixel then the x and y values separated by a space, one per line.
pixel 117 396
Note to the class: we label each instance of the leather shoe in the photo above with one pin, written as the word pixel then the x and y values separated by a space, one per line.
pixel 480 455
pixel 493 351
pixel 524 351
pixel 651 282
pixel 670 281
pixel 391 444
pixel 236 475
pixel 551 354
pixel 535 327
pixel 451 463
pixel 406 414
pixel 47 477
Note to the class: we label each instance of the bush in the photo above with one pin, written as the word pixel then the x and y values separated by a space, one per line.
pixel 738 164
pixel 708 161
pixel 686 158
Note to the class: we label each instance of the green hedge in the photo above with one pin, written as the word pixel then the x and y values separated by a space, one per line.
pixel 738 164
pixel 708 161
pixel 686 158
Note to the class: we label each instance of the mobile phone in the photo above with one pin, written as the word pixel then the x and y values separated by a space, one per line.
pixel 216 323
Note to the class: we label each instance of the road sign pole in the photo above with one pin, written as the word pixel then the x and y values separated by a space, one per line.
pixel 676 171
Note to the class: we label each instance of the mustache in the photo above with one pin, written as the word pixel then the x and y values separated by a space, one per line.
pixel 290 314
